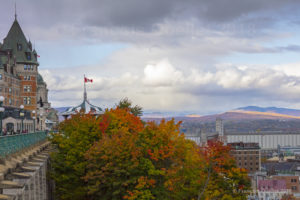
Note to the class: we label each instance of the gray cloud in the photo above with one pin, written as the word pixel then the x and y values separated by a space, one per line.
pixel 194 35
pixel 143 14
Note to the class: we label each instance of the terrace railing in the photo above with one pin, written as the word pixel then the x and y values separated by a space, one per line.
pixel 13 143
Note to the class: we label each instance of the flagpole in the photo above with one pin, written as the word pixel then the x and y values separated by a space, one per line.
pixel 84 95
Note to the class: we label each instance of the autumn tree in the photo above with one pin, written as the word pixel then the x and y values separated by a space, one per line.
pixel 224 179
pixel 155 161
pixel 117 156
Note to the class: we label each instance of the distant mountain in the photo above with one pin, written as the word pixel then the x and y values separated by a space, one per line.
pixel 241 114
pixel 61 109
pixel 284 111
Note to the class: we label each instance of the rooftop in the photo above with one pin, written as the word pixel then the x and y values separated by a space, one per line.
pixel 270 185
pixel 17 45
pixel 242 145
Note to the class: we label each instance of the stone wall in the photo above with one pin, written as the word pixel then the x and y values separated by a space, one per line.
pixel 23 176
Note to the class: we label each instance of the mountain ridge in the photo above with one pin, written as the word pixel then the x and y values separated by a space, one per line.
pixel 241 113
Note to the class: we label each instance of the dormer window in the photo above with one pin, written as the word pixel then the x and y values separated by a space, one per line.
pixel 28 55
pixel 19 46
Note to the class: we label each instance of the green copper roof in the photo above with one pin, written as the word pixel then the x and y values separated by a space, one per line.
pixel 40 79
pixel 16 37
pixel 3 60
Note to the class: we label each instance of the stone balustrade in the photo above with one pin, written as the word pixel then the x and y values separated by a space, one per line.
pixel 23 167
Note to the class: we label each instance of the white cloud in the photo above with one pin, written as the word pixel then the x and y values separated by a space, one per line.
pixel 161 74
pixel 163 86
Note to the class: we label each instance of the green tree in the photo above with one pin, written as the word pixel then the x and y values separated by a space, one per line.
pixel 68 162
pixel 127 104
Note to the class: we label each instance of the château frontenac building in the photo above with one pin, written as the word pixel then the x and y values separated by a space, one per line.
pixel 21 83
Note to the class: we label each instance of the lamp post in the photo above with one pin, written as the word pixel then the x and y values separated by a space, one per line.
pixel 41 117
pixel 22 116
pixel 33 117
pixel 1 114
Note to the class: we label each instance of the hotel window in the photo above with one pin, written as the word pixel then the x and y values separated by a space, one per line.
pixel 27 88
pixel 19 46
pixel 28 100
pixel 0 76
pixel 0 89
pixel 10 101
pixel 9 90
pixel 27 78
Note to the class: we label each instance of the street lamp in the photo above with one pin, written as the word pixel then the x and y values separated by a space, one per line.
pixel 1 113
pixel 22 116
pixel 33 117
pixel 41 117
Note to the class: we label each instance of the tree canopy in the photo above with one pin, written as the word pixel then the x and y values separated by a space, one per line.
pixel 127 104
pixel 118 156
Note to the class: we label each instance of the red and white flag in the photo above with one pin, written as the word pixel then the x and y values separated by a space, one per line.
pixel 87 80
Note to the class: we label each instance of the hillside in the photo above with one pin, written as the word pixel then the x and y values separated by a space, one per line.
pixel 284 111
pixel 242 114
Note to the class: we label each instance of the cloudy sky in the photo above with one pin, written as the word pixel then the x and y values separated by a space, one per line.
pixel 166 55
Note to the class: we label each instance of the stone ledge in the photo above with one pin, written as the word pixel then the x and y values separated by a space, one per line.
pixel 5 197
pixel 20 175
pixel 28 169
pixel 10 185
pixel 34 164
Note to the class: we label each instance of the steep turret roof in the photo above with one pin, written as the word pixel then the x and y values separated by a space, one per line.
pixel 17 43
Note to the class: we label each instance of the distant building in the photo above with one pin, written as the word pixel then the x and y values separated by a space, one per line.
pixel 292 182
pixel 281 168
pixel 268 140
pixel 220 127
pixel 288 150
pixel 203 137
pixel 271 189
pixel 247 155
